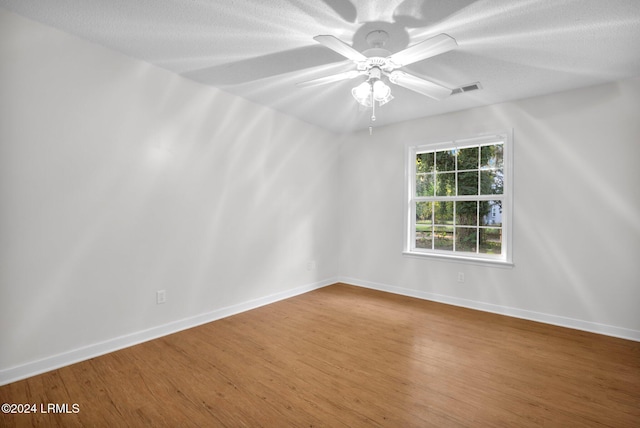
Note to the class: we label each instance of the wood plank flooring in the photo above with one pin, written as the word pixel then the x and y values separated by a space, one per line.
pixel 345 356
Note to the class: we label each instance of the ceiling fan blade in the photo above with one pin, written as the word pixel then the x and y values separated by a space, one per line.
pixel 330 79
pixel 426 49
pixel 421 86
pixel 341 47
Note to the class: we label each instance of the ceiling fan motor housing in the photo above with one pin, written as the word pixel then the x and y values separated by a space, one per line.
pixel 376 59
pixel 375 72
pixel 376 55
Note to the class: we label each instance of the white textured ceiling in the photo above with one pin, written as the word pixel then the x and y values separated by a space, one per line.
pixel 259 49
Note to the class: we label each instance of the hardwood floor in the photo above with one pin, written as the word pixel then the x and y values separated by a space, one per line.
pixel 345 356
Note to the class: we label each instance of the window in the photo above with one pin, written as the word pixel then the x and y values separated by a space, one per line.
pixel 459 201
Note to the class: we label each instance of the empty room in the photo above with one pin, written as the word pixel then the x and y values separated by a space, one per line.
pixel 332 213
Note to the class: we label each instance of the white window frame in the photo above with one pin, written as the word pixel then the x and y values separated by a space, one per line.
pixel 504 259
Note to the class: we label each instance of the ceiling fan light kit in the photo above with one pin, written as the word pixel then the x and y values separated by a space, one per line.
pixel 373 89
pixel 379 64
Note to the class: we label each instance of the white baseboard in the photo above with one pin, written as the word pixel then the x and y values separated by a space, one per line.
pixel 33 368
pixel 608 330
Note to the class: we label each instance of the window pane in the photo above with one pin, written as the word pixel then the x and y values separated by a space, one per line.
pixel 491 182
pixel 424 162
pixel 424 222
pixel 466 238
pixel 468 158
pixel 490 241
pixel 446 160
pixel 424 212
pixel 491 213
pixel 424 184
pixel 424 237
pixel 446 184
pixel 468 183
pixel 491 156
pixel 443 212
pixel 443 239
pixel 467 213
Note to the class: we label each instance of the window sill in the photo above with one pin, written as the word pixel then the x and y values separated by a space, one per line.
pixel 461 259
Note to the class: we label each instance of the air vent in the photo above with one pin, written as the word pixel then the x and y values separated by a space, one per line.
pixel 466 88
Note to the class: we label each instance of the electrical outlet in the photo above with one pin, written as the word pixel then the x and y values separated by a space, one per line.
pixel 460 276
pixel 161 296
pixel 311 265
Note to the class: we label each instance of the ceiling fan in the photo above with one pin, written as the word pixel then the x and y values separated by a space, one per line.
pixel 377 62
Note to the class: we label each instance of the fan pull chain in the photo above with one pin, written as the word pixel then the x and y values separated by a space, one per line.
pixel 373 106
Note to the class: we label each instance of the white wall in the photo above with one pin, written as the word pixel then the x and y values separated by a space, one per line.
pixel 118 179
pixel 576 211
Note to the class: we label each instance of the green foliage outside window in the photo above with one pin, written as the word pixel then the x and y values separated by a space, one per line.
pixel 473 172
